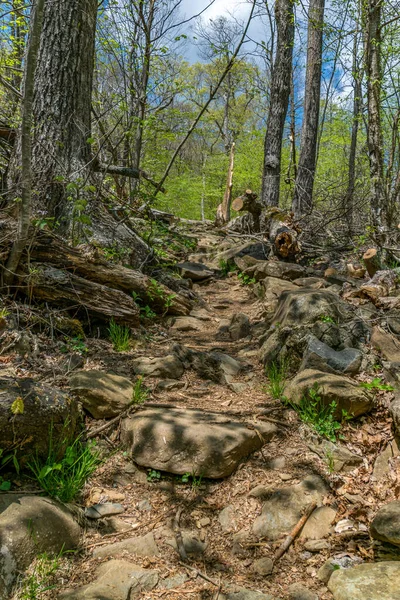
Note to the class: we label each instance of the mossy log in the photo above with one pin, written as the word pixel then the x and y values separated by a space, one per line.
pixel 53 251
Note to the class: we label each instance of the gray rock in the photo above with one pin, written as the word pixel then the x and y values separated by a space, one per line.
pixel 334 563
pixel 98 511
pixel 191 542
pixel 194 271
pixel 285 507
pixel 115 580
pixel 168 367
pixel 306 306
pixel 319 524
pixel 382 463
pixel 299 592
pixel 338 457
pixel 187 324
pixel 394 410
pixel 316 545
pixel 45 409
pixel 257 250
pixel 169 385
pixel 30 525
pixel 237 593
pixel 239 326
pixel 347 394
pixel 141 546
pixel 263 566
pixel 216 366
pixel 321 357
pixel 376 581
pixel 103 395
pixel 386 524
pixel 227 519
pixel 191 441
pixel 173 582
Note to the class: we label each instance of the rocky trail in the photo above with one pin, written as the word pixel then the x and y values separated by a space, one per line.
pixel 204 481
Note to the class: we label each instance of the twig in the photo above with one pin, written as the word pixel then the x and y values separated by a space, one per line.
pixel 295 531
pixel 178 535
pixel 200 574
pixel 276 421
pixel 107 425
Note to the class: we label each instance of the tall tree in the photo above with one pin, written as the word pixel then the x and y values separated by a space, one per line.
pixel 302 200
pixel 279 101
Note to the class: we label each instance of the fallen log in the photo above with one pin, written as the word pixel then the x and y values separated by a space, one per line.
pixel 283 233
pixel 53 251
pixel 248 202
pixel 372 261
pixel 66 289
pixel 382 285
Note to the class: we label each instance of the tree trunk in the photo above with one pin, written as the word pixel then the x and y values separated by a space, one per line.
pixel 248 202
pixel 280 92
pixel 224 209
pixel 371 17
pixel 24 206
pixel 302 200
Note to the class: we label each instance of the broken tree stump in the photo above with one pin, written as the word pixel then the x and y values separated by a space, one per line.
pixel 248 202
pixel 372 261
pixel 283 233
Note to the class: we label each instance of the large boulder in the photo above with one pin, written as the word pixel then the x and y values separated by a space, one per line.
pixel 305 306
pixel 191 441
pixel 31 414
pixel 347 394
pixel 321 357
pixel 115 580
pixel 29 526
pixel 386 524
pixel 103 395
pixel 376 581
pixel 285 507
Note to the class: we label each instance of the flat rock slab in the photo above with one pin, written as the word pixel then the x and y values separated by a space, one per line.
pixel 194 271
pixel 321 357
pixel 376 581
pixel 29 526
pixel 115 580
pixel 386 524
pixel 103 395
pixel 187 324
pixel 346 393
pixel 165 367
pixel 141 546
pixel 191 441
pixel 285 507
pixel 244 594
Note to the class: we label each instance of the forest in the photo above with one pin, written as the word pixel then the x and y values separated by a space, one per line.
pixel 199 300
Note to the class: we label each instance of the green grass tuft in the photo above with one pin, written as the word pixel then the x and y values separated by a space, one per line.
pixel 120 336
pixel 276 373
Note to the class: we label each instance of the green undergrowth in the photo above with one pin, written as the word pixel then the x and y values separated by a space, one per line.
pixel 64 472
pixel 277 373
pixel 40 577
pixel 140 392
pixel 120 336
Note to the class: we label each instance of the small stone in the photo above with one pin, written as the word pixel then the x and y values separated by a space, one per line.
pixel 204 522
pixel 325 572
pixel 263 566
pixel 144 505
pixel 98 511
pixel 169 385
pixel 227 519
pixel 285 476
pixel 317 545
pixel 319 523
pixel 260 491
pixel 191 542
pixel 299 592
pixel 277 463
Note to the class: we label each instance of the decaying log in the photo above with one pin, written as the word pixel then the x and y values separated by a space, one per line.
pixel 66 289
pixel 52 250
pixel 224 209
pixel 248 202
pixel 283 233
pixel 356 272
pixel 372 261
pixel 382 285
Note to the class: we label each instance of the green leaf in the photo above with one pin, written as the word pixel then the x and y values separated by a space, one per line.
pixel 17 407
pixel 5 486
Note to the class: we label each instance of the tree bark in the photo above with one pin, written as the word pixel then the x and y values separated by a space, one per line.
pixel 302 200
pixel 279 101
pixel 224 209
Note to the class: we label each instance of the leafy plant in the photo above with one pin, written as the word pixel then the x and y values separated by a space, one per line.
pixel 326 319
pixel 39 580
pixel 276 373
pixel 225 267
pixel 120 336
pixel 75 344
pixel 64 477
pixel 246 279
pixel 153 475
pixel 314 412
pixel 140 392
pixel 330 460
pixel 196 481
pixel 155 291
pixel 4 313
pixel 376 384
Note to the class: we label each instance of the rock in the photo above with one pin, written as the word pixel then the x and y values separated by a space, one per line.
pixel 98 511
pixel 244 262
pixel 373 581
pixel 194 271
pixel 173 582
pixel 115 580
pixel 276 269
pixel 319 524
pixel 386 524
pixel 191 441
pixel 103 395
pixel 215 366
pixel 239 326
pixel 167 367
pixel 317 545
pixel 337 456
pixel 347 395
pixel 260 491
pixel 237 593
pixel 285 507
pixel 394 410
pixel 321 357
pixel 30 525
pixel 43 410
pixel 169 385
pixel 202 314
pixel 263 566
pixel 141 546
pixel 299 592
pixel 187 324
pixel 257 250
pixel 191 542
pixel 334 563
pixel 383 460
pixel 307 306
pixel 316 283
pixel 386 344
pixel 227 519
